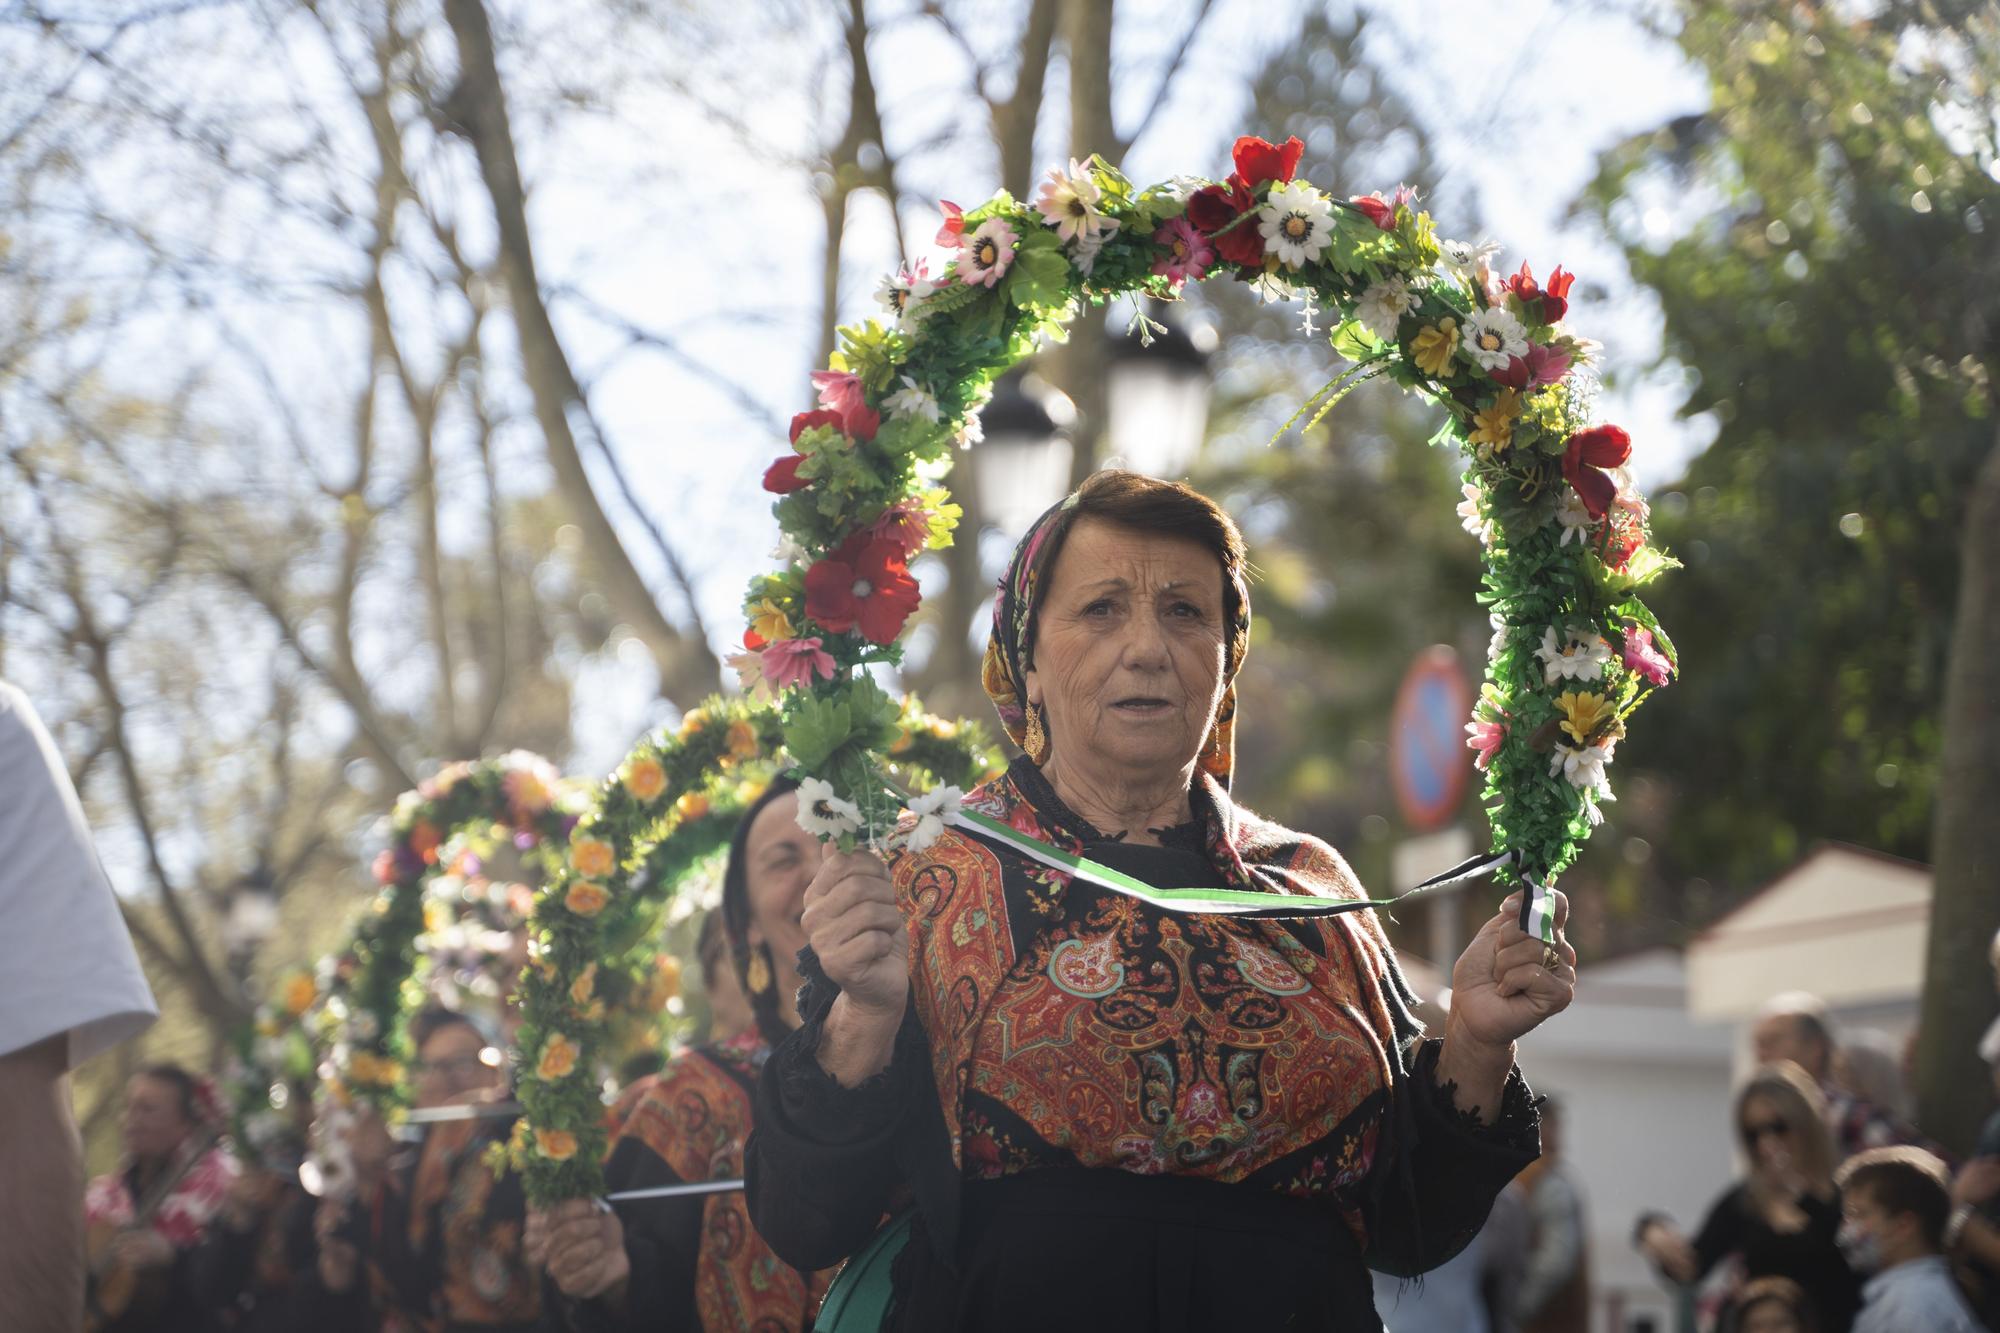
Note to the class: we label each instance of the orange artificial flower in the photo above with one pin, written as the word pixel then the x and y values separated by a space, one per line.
pixel 742 740
pixel 591 857
pixel 424 840
pixel 586 897
pixel 691 807
pixel 299 993
pixel 558 1145
pixel 558 1059
pixel 645 779
pixel 580 989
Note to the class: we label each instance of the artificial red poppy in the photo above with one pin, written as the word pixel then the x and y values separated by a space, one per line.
pixel 814 419
pixel 863 582
pixel 1259 160
pixel 782 477
pixel 1587 452
pixel 1620 538
pixel 1214 207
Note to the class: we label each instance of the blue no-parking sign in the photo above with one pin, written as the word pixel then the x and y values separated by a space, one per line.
pixel 1428 761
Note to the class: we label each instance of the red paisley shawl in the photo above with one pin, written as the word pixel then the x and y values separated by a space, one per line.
pixel 696 1118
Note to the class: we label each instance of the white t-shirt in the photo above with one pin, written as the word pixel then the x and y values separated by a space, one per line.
pixel 66 959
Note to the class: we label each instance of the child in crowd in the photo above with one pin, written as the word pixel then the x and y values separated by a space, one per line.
pixel 1894 1204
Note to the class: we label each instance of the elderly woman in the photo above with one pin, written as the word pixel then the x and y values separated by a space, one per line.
pixel 1102 1115
pixel 693 1261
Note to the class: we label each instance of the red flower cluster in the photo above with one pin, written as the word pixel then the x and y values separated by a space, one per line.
pixel 1377 210
pixel 845 410
pixel 1215 207
pixel 864 582
pixel 1552 297
pixel 1587 452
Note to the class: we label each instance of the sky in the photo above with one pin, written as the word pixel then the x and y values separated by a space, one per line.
pixel 1519 96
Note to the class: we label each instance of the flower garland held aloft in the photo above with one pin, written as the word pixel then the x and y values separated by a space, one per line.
pixel 367 991
pixel 1575 650
pixel 647 824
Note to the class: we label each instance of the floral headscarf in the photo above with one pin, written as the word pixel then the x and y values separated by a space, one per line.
pixel 1004 671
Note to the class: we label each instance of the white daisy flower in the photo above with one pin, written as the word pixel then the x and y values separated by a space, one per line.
pixel 823 814
pixel 1498 644
pixel 1296 222
pixel 1463 258
pixel 1580 655
pixel 904 292
pixel 971 431
pixel 913 400
pixel 1493 337
pixel 1574 515
pixel 1069 203
pixel 1271 288
pixel 933 809
pixel 1583 766
pixel 1469 514
pixel 1383 306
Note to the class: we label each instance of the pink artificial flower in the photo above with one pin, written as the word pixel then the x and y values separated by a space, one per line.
pixel 385 867
pixel 987 254
pixel 952 233
pixel 1189 253
pixel 792 663
pixel 906 523
pixel 1484 739
pixel 1641 656
pixel 841 392
pixel 1544 364
pixel 1404 197
pixel 749 669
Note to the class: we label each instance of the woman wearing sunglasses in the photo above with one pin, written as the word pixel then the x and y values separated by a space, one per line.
pixel 1779 1220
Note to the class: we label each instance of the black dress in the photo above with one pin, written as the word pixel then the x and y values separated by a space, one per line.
pixel 1807 1256
pixel 1055 1246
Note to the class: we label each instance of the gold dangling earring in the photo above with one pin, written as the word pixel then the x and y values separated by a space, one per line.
pixel 759 978
pixel 1036 741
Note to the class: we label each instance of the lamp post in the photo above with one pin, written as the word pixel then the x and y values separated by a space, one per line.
pixel 1023 463
pixel 1157 400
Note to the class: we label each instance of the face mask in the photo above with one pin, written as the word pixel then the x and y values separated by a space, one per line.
pixel 1861 1249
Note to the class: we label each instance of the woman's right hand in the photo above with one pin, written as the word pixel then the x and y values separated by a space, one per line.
pixel 852 922
pixel 582 1246
pixel 854 926
pixel 1669 1250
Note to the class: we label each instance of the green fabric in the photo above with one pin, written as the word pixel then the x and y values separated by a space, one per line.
pixel 858 1300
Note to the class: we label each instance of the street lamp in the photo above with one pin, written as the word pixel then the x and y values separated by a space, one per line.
pixel 1156 399
pixel 1022 466
pixel 251 921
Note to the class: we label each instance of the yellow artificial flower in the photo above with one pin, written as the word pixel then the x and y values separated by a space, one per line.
pixel 1434 346
pixel 769 621
pixel 1494 424
pixel 591 857
pixel 742 740
pixel 645 778
pixel 558 1145
pixel 692 723
pixel 437 915
pixel 1583 714
pixel 558 1059
pixel 692 806
pixel 580 989
pixel 586 898
pixel 298 993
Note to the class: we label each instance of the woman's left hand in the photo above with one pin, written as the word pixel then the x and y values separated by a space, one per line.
pixel 1503 985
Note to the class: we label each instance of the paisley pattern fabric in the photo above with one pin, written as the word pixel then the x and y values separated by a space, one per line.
pixel 474 1220
pixel 1003 670
pixel 696 1118
pixel 182 1217
pixel 1069 1026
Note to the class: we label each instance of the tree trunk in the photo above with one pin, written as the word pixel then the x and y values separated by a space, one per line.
pixel 1081 365
pixel 1954 1088
pixel 477 108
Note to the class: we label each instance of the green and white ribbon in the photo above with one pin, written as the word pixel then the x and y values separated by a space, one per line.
pixel 1535 907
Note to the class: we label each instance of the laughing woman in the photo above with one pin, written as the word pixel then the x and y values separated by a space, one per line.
pixel 1102 1115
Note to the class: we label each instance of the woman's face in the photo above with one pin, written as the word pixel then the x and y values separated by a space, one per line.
pixel 1767 1134
pixel 154 1124
pixel 1128 652
pixel 451 1065
pixel 782 858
